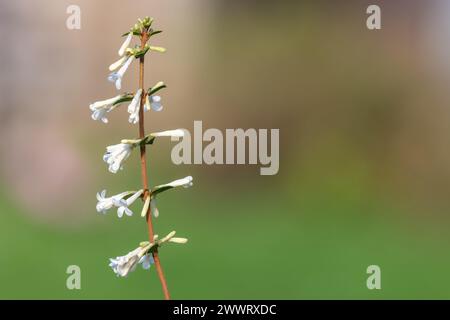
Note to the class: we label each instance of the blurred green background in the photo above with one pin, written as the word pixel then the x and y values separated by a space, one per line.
pixel 364 149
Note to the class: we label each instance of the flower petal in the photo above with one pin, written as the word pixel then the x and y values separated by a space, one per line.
pixel 125 44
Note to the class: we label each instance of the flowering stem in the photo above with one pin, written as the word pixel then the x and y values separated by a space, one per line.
pixel 144 39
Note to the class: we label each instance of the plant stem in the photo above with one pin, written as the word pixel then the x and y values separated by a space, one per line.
pixel 144 39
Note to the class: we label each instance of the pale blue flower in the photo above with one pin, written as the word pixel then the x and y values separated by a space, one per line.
pixel 118 75
pixel 123 204
pixel 134 106
pixel 105 203
pixel 147 261
pixel 154 103
pixel 116 154
pixel 101 108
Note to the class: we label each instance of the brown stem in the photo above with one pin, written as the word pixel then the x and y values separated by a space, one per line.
pixel 144 39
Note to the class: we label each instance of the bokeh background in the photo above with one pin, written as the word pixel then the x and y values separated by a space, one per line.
pixel 364 125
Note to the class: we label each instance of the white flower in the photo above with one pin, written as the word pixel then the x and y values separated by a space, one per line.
pixel 100 108
pixel 153 208
pixel 153 103
pixel 185 182
pixel 169 133
pixel 123 265
pixel 124 204
pixel 125 44
pixel 118 63
pixel 133 107
pixel 105 203
pixel 147 261
pixel 116 154
pixel 117 76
